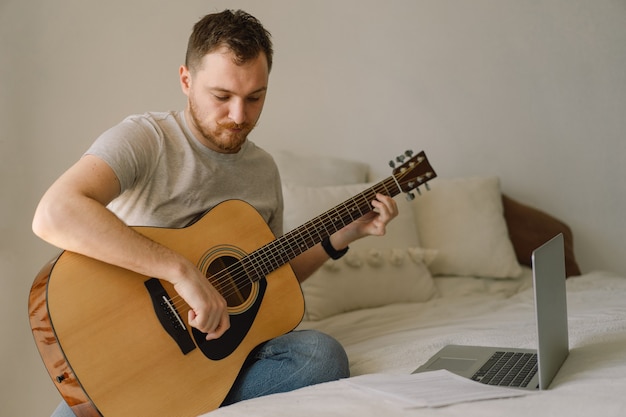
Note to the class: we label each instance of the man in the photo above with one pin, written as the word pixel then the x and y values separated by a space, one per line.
pixel 166 169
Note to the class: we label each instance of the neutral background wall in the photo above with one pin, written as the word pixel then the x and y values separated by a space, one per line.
pixel 531 91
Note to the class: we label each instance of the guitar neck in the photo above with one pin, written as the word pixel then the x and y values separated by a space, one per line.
pixel 297 241
pixel 409 176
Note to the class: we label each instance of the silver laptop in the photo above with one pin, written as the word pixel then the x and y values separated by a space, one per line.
pixel 521 368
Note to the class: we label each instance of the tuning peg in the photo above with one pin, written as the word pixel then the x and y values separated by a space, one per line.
pixel 400 158
pixel 427 186
pixel 410 196
pixel 392 164
pixel 408 153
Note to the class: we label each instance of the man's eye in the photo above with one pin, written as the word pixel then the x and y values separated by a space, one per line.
pixel 221 98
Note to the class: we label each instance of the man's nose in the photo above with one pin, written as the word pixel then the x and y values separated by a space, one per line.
pixel 237 111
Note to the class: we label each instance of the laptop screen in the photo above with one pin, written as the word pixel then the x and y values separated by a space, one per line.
pixel 551 308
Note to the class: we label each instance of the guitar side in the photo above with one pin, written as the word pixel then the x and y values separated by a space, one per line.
pixel 50 350
pixel 96 327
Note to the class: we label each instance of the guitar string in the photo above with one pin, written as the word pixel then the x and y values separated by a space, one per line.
pixel 240 276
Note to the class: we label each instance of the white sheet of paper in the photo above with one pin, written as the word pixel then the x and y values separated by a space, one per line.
pixel 430 389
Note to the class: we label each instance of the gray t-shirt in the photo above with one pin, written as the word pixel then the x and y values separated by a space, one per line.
pixel 169 179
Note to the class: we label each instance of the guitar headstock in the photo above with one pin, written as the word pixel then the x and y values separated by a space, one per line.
pixel 413 173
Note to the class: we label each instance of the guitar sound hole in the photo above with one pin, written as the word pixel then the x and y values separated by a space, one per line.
pixel 231 281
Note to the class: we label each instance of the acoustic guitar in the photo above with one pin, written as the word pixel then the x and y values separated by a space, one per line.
pixel 117 344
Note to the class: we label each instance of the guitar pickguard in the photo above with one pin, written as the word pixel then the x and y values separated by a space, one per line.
pixel 240 324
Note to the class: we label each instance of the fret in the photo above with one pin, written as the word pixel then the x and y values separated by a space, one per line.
pixel 309 237
pixel 285 243
pixel 280 251
pixel 364 205
pixel 266 258
pixel 249 269
pixel 317 230
pixel 391 182
pixel 256 264
pixel 349 211
pixel 324 221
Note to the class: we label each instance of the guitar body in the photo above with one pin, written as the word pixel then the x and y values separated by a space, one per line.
pixel 103 335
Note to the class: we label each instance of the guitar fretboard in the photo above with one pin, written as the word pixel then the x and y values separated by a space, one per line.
pixel 275 254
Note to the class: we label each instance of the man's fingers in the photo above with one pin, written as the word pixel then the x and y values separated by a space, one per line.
pixel 221 328
pixel 213 325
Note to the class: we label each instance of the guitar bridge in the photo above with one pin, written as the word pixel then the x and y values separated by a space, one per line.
pixel 168 316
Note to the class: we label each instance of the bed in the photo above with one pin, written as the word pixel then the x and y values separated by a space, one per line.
pixel 452 269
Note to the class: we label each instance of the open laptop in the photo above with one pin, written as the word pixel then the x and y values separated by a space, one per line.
pixel 530 369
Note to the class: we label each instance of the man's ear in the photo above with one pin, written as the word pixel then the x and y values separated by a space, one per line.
pixel 185 79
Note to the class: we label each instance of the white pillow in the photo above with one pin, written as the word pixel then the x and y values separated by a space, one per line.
pixel 463 220
pixel 318 171
pixel 376 271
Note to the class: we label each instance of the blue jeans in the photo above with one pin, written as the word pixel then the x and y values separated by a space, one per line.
pixel 294 360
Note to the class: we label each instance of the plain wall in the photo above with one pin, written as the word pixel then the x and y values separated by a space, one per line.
pixel 531 91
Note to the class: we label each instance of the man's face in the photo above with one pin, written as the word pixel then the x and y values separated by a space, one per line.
pixel 225 100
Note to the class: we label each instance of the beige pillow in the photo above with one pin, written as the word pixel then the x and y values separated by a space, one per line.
pixel 463 220
pixel 376 271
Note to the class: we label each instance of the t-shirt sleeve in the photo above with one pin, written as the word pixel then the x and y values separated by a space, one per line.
pixel 131 148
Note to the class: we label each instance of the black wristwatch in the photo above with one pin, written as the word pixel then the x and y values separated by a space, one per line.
pixel 332 252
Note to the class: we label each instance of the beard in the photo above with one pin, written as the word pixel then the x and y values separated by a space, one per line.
pixel 226 137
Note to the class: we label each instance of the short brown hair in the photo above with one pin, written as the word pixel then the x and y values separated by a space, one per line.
pixel 239 31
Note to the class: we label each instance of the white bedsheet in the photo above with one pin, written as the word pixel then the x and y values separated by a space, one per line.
pixel 398 338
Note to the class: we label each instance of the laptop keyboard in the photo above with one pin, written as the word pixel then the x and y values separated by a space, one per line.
pixel 508 369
